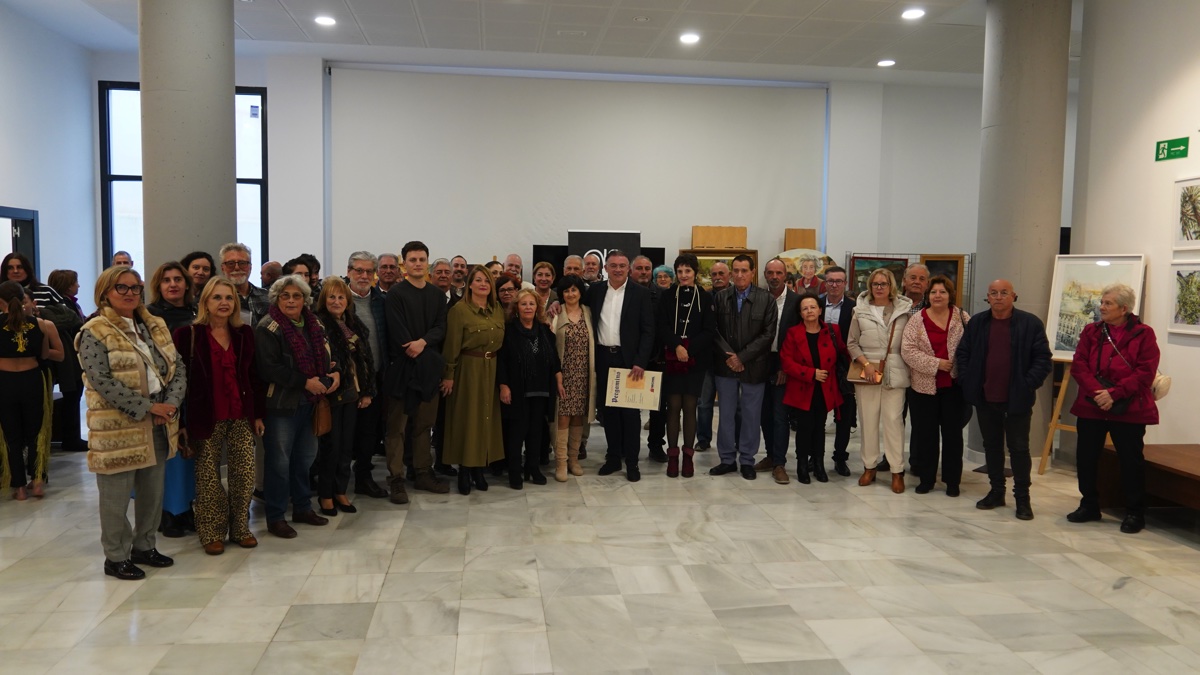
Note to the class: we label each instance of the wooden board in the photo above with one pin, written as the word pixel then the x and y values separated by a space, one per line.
pixel 717 236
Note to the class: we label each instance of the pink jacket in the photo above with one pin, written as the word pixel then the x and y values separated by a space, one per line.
pixel 918 352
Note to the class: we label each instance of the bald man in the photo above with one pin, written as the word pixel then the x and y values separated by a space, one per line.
pixel 270 271
pixel 1003 358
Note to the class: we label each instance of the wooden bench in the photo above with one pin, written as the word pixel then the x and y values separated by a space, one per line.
pixel 1172 476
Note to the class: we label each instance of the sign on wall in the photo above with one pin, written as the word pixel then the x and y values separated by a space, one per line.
pixel 1176 148
pixel 600 242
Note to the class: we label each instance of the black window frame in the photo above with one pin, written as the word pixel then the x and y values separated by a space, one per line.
pixel 107 178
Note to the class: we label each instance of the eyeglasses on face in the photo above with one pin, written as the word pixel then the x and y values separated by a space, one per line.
pixel 124 289
pixel 999 294
pixel 879 284
pixel 236 264
pixel 834 282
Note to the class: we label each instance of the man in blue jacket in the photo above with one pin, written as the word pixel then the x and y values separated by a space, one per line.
pixel 1003 358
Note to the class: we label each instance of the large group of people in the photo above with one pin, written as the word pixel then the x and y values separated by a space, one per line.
pixel 449 370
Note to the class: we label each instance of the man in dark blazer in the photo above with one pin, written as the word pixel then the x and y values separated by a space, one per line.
pixel 838 308
pixel 774 420
pixel 624 317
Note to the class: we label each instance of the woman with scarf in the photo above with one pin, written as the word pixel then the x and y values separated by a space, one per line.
pixel 135 382
pixel 294 363
pixel 686 326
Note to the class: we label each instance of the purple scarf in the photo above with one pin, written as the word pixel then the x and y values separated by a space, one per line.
pixel 309 348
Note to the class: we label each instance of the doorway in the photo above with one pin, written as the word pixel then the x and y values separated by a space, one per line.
pixel 21 226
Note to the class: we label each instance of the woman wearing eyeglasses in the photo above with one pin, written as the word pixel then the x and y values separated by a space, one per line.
pixel 876 333
pixel 135 382
pixel 506 291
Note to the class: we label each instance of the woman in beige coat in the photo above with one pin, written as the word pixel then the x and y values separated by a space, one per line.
pixel 574 332
pixel 876 333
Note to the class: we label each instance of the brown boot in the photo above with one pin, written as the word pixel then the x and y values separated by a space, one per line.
pixel 427 481
pixel 867 477
pixel 398 495
pixel 898 483
pixel 560 455
pixel 573 454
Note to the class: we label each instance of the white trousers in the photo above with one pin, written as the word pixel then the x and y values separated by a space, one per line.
pixel 879 405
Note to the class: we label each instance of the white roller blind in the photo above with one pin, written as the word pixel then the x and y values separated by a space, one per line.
pixel 483 166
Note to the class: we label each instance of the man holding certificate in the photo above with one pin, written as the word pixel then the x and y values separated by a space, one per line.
pixel 624 318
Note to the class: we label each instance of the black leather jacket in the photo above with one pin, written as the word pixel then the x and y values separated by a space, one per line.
pixel 748 334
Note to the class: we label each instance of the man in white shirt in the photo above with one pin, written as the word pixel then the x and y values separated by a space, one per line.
pixel 839 310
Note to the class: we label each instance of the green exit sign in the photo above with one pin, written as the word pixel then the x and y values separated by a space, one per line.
pixel 1176 148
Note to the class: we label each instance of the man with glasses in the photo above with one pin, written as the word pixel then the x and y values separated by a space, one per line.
pixel 719 274
pixel 389 271
pixel 369 308
pixel 1002 360
pixel 235 265
pixel 838 309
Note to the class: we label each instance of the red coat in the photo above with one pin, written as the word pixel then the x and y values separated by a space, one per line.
pixel 1139 346
pixel 796 359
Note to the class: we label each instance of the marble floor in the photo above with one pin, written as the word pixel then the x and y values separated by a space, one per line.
pixel 701 575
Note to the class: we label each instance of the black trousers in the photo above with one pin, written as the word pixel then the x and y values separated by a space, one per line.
pixel 21 420
pixel 622 426
pixel 334 450
pixel 1000 428
pixel 657 438
pixel 847 419
pixel 1128 439
pixel 936 417
pixel 368 432
pixel 810 433
pixel 528 430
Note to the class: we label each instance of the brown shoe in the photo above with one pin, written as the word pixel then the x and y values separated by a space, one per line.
pixel 309 517
pixel 280 528
pixel 247 541
pixel 396 487
pixel 764 464
pixel 867 477
pixel 214 548
pixel 779 473
pixel 898 483
pixel 427 481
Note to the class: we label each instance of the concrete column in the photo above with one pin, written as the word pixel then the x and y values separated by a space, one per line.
pixel 188 156
pixel 1026 50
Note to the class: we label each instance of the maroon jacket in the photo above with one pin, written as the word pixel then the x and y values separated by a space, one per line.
pixel 1140 348
pixel 198 406
pixel 796 359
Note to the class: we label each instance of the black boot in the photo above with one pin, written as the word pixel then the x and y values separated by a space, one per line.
pixel 533 472
pixel 464 481
pixel 991 500
pixel 171 525
pixel 1024 510
pixel 802 470
pixel 818 471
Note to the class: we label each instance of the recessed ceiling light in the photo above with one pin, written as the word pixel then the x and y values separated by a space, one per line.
pixel 689 38
pixel 641 19
pixel 886 63
pixel 325 20
pixel 911 14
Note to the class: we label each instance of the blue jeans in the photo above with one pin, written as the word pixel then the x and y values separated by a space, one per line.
pixel 734 443
pixel 290 449
pixel 704 411
pixel 775 427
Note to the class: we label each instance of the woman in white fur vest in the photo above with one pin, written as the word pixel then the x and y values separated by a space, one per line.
pixel 134 383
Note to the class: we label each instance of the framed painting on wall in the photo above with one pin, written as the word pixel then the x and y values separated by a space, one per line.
pixel 1075 294
pixel 952 267
pixel 1187 215
pixel 1185 315
pixel 861 268
pixel 709 256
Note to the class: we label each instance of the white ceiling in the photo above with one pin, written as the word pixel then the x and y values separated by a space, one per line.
pixel 790 39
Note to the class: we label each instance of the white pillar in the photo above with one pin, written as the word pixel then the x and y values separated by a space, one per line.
pixel 1026 51
pixel 188 155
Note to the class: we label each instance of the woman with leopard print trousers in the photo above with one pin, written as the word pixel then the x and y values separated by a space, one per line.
pixel 223 411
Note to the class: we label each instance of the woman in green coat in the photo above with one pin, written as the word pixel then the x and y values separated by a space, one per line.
pixel 474 333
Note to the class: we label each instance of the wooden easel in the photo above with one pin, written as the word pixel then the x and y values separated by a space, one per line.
pixel 1055 424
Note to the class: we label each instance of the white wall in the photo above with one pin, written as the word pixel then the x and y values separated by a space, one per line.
pixel 1139 85
pixel 46 137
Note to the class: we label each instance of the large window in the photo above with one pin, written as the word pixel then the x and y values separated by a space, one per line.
pixel 121 171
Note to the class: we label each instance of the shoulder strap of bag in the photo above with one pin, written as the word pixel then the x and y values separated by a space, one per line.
pixel 888 348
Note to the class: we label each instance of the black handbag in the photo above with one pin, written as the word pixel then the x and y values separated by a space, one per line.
pixel 1119 405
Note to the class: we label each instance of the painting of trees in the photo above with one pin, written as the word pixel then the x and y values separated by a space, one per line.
pixel 1189 213
pixel 1187 297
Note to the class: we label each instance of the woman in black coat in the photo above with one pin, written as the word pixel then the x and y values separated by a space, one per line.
pixel 530 377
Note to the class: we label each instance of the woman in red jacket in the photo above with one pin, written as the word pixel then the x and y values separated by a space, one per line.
pixel 809 358
pixel 1114 366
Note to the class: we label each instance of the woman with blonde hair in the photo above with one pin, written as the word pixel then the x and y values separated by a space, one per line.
pixel 876 333
pixel 474 333
pixel 223 412
pixel 530 381
pixel 135 382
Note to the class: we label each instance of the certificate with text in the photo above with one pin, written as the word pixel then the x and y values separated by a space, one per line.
pixel 623 392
